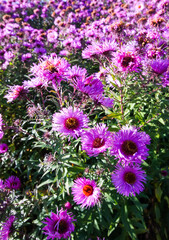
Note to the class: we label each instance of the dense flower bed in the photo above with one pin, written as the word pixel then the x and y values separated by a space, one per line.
pixel 84 119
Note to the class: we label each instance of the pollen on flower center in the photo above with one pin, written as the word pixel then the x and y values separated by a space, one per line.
pixel 63 226
pixel 126 61
pixel 88 190
pixel 71 123
pixel 129 147
pixel 130 177
pixel 98 142
pixel 52 68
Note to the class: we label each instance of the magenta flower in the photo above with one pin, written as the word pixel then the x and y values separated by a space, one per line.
pixel 85 192
pixel 92 51
pixel 96 140
pixel 14 92
pixel 1 184
pixel 128 180
pixel 90 85
pixel 165 79
pixel 100 99
pixel 7 228
pixel 130 145
pixel 160 66
pixel 68 205
pixel 12 182
pixel 59 225
pixel 76 73
pixel 50 68
pixel 108 48
pixel 69 122
pixel 1 124
pixel 3 148
pixel 127 61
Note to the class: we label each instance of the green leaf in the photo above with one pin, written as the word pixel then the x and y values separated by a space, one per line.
pixel 46 182
pixel 158 193
pixel 112 115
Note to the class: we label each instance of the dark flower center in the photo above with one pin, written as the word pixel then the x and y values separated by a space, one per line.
pixel 52 68
pixel 63 226
pixel 71 123
pixel 88 190
pixel 129 147
pixel 130 177
pixel 126 61
pixel 98 142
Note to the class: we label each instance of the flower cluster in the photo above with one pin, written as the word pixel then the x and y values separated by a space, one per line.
pixel 86 76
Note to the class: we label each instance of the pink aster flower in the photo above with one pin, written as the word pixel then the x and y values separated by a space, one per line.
pixel 59 225
pixel 85 192
pixel 1 184
pixel 37 82
pixel 50 68
pixel 96 140
pixel 128 180
pixel 92 51
pixel 12 182
pixel 108 47
pixel 69 122
pixel 52 36
pixel 130 145
pixel 3 148
pixel 14 92
pixel 127 60
pixel 7 228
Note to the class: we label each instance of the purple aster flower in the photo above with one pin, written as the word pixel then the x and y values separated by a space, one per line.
pixel 15 92
pixel 165 79
pixel 91 86
pixel 130 145
pixel 128 180
pixel 3 148
pixel 76 73
pixel 69 122
pixel 12 182
pixel 85 192
pixel 107 102
pixel 26 56
pixel 96 140
pixel 7 228
pixel 160 66
pixel 59 225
